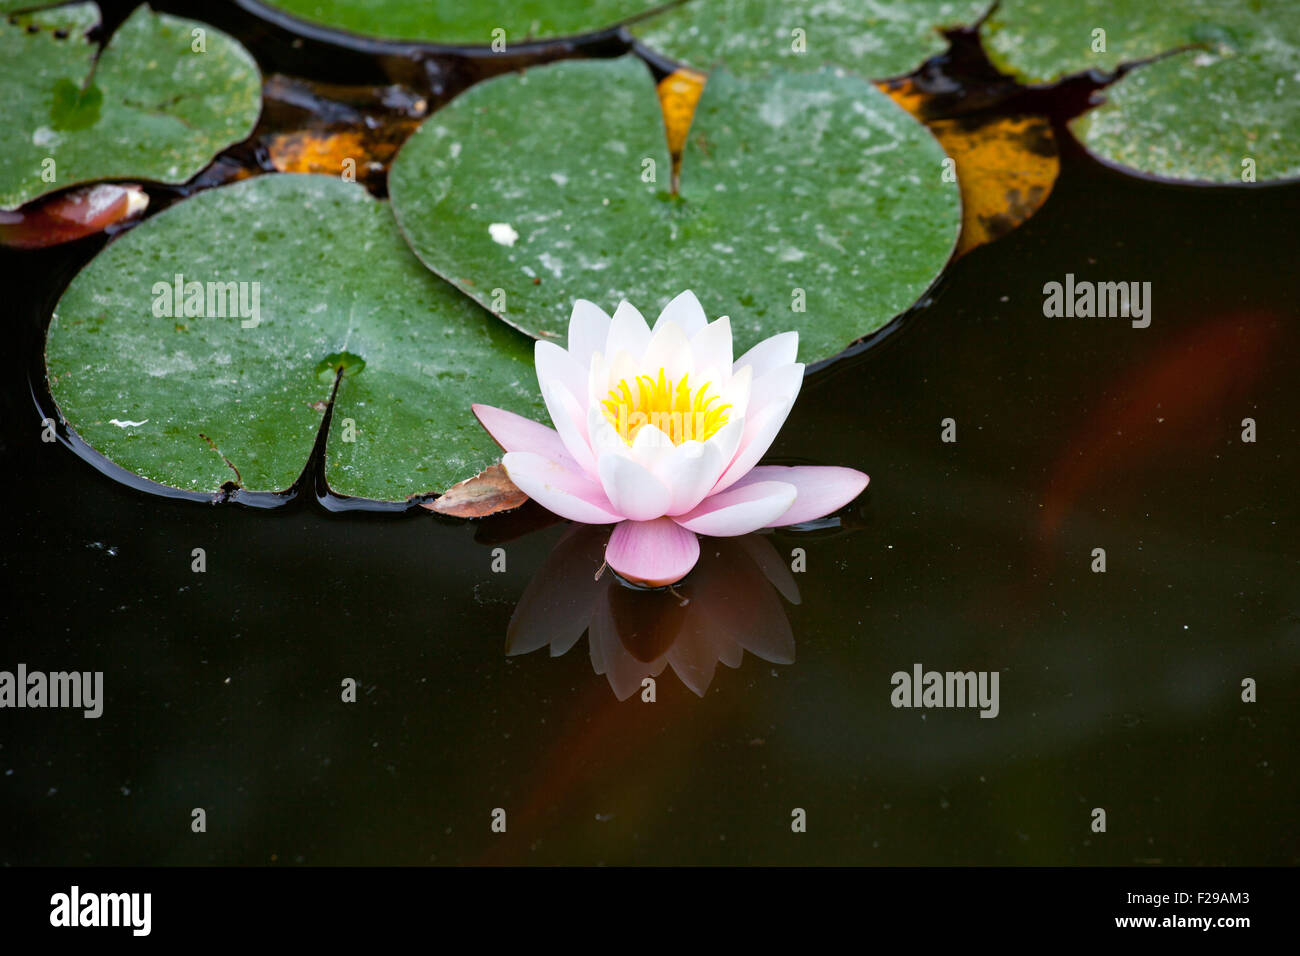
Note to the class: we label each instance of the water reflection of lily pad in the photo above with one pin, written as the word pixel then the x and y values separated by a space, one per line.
pixel 728 605
pixel 164 96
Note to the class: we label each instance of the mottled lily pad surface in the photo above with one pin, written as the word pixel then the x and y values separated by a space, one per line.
pixel 152 106
pixel 808 201
pixel 1228 104
pixel 238 394
pixel 877 39
pixel 468 22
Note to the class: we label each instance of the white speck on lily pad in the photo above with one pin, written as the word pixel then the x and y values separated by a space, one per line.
pixel 503 233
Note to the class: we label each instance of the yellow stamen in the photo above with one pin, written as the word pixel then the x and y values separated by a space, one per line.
pixel 679 411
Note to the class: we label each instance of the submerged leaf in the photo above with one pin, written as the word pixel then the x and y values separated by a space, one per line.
pixel 1005 165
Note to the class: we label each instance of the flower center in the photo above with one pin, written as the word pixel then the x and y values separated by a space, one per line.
pixel 679 411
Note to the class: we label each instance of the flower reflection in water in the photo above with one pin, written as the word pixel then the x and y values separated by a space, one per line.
pixel 728 605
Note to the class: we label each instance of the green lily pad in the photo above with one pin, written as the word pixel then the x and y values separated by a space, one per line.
pixel 803 189
pixel 150 108
pixel 466 23
pixel 750 36
pixel 1200 114
pixel 189 400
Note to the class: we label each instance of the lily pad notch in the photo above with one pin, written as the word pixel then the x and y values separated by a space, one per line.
pixel 807 201
pixel 354 350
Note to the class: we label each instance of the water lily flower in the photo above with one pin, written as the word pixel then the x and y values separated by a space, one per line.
pixel 659 432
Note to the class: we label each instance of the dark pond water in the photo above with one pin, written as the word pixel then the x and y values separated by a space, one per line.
pixel 1119 690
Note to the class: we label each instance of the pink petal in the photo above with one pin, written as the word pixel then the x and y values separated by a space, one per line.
pixel 740 510
pixel 656 553
pixel 562 490
pixel 821 489
pixel 516 433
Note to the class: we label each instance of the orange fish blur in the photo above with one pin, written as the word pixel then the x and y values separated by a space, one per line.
pixel 1171 402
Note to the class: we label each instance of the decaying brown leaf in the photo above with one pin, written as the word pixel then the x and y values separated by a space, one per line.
pixel 679 92
pixel 485 494
pixel 71 215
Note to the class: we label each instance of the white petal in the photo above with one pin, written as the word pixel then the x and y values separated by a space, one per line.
pixel 605 439
pixel 628 332
pixel 712 349
pixel 597 379
pixel 777 387
pixel 727 439
pixel 651 448
pixel 588 330
pixel 736 393
pixel 623 366
pixel 688 477
pixel 771 353
pixel 557 367
pixel 690 472
pixel 763 423
pixel 686 311
pixel 633 491
pixel 669 349
pixel 571 424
